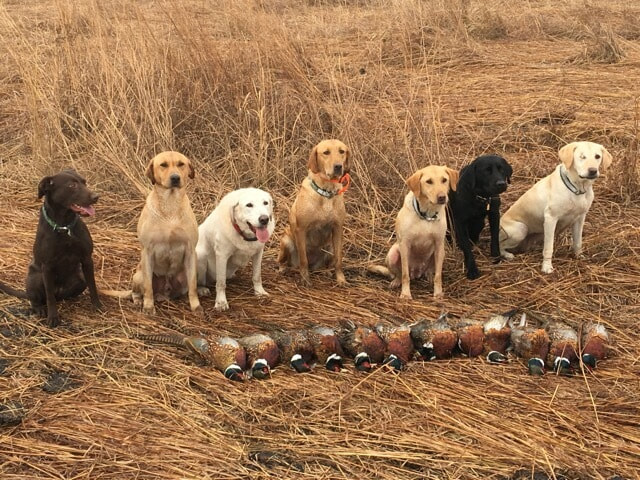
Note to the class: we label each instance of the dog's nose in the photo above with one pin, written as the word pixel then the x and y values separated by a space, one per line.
pixel 442 199
pixel 263 219
pixel 337 169
pixel 593 172
pixel 175 180
pixel 501 183
pixel 94 197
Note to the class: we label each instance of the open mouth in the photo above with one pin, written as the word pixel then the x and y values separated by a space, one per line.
pixel 86 211
pixel 261 233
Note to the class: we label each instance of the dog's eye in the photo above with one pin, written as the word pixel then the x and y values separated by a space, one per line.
pixel 341 151
pixel 583 156
pixel 164 164
pixel 597 157
pixel 250 205
pixel 73 185
pixel 430 182
pixel 326 152
pixel 265 202
pixel 444 180
pixel 180 164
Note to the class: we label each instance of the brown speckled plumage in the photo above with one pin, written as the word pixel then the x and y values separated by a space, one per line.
pixel 357 339
pixel 438 333
pixel 259 346
pixel 529 341
pixel 293 342
pixel 564 341
pixel 470 337
pixel 325 342
pixel 397 340
pixel 497 334
pixel 595 340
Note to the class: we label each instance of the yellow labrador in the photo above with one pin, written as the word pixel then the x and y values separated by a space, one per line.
pixel 317 214
pixel 555 203
pixel 421 227
pixel 168 233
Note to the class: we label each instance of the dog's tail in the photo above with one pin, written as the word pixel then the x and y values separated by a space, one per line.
pixel 12 291
pixel 380 270
pixel 116 293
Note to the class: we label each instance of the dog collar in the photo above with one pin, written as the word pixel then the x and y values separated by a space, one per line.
pixel 322 191
pixel 59 228
pixel 486 199
pixel 423 215
pixel 567 183
pixel 242 234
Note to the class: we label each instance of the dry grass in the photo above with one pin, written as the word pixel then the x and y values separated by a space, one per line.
pixel 245 88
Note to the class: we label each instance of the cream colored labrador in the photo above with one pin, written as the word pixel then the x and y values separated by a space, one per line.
pixel 234 233
pixel 555 203
pixel 421 226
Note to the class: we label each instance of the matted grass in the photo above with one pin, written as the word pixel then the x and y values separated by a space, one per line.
pixel 245 89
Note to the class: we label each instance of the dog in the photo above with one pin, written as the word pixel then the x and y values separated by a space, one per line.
pixel 478 196
pixel 62 266
pixel 317 215
pixel 421 227
pixel 556 202
pixel 234 233
pixel 168 232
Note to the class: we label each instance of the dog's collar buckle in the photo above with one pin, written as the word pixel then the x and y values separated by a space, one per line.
pixel 424 215
pixel 242 234
pixel 321 191
pixel 567 183
pixel 58 228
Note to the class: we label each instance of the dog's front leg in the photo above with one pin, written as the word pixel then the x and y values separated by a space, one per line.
pixel 336 237
pixel 406 275
pixel 300 237
pixel 221 281
pixel 191 269
pixel 48 278
pixel 437 277
pixel 146 266
pixel 494 228
pixel 464 243
pixel 89 277
pixel 550 222
pixel 256 264
pixel 576 236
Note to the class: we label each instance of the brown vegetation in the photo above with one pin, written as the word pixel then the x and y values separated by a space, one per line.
pixel 245 88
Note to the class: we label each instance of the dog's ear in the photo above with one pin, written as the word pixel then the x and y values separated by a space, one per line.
pixel 346 168
pixel 44 186
pixel 468 176
pixel 607 159
pixel 413 182
pixel 192 171
pixel 313 160
pixel 566 154
pixel 454 175
pixel 508 169
pixel 150 174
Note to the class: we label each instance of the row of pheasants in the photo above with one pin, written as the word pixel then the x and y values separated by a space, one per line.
pixel 554 344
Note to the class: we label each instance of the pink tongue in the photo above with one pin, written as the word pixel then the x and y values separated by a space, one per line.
pixel 262 234
pixel 89 211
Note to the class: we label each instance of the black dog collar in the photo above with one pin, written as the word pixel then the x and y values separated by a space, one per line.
pixel 567 183
pixel 423 215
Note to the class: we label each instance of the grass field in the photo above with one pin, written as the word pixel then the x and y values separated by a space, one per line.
pixel 245 88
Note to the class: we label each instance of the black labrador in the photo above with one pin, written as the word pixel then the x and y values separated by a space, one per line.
pixel 478 195
pixel 62 266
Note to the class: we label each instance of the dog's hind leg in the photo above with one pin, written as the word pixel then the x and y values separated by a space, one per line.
pixel 90 279
pixel 512 234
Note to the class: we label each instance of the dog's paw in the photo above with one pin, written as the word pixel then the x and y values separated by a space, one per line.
pixel 53 321
pixel 261 292
pixel 473 273
pixel 305 280
pixel 341 281
pixel 204 292
pixel 547 267
pixel 406 295
pixel 579 255
pixel 507 255
pixel 438 294
pixel 149 308
pixel 395 283
pixel 221 305
pixel 97 306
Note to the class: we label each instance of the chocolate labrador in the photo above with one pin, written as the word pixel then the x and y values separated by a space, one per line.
pixel 62 266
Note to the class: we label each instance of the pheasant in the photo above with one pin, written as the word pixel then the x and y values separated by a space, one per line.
pixel 530 343
pixel 295 346
pixel 563 350
pixel 262 354
pixel 470 337
pixel 362 343
pixel 595 344
pixel 326 345
pixel 434 340
pixel 497 335
pixel 399 345
pixel 224 353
